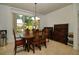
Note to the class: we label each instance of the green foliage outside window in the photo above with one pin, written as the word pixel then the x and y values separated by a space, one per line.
pixel 28 22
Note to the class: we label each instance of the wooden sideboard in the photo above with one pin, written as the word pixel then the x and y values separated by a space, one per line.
pixel 61 33
pixel 50 32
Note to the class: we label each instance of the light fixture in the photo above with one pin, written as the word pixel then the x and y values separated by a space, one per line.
pixel 35 12
pixel 20 16
pixel 35 15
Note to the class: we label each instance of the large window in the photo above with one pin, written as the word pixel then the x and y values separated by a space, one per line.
pixel 24 22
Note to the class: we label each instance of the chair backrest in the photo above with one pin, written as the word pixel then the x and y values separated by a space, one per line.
pixel 37 37
pixel 18 41
pixel 37 32
pixel 14 36
pixel 33 30
pixel 45 30
pixel 27 32
pixel 44 34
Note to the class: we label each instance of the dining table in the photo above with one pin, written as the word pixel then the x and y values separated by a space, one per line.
pixel 28 40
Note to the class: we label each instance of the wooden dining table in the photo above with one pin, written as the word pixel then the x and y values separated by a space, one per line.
pixel 28 40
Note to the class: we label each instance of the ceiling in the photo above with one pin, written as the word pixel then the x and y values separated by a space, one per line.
pixel 41 8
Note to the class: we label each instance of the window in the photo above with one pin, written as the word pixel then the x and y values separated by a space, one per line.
pixel 24 22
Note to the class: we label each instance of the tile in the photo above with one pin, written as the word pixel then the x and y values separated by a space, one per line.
pixel 53 48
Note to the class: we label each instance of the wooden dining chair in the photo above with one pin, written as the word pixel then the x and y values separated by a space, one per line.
pixel 46 33
pixel 28 40
pixel 43 38
pixel 27 32
pixel 19 42
pixel 36 41
pixel 33 30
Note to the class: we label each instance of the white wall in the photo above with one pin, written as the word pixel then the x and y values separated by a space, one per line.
pixel 77 8
pixel 6 21
pixel 62 16
pixel 75 27
pixel 42 21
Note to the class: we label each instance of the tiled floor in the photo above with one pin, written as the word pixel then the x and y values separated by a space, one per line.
pixel 53 48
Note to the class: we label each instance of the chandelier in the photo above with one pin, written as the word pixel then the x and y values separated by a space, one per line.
pixel 36 19
pixel 35 15
pixel 35 11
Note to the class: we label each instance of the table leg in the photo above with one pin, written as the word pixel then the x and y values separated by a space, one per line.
pixel 28 47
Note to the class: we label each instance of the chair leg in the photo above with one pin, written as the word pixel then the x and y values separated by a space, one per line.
pixel 15 50
pixel 24 47
pixel 33 48
pixel 48 39
pixel 40 47
pixel 28 47
pixel 45 44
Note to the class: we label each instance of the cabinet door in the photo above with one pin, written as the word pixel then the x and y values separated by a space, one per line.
pixel 61 33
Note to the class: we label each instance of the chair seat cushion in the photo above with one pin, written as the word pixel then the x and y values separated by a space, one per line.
pixel 19 42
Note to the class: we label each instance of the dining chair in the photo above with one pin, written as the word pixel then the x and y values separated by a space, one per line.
pixel 36 41
pixel 33 30
pixel 27 40
pixel 46 34
pixel 43 38
pixel 27 32
pixel 19 42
